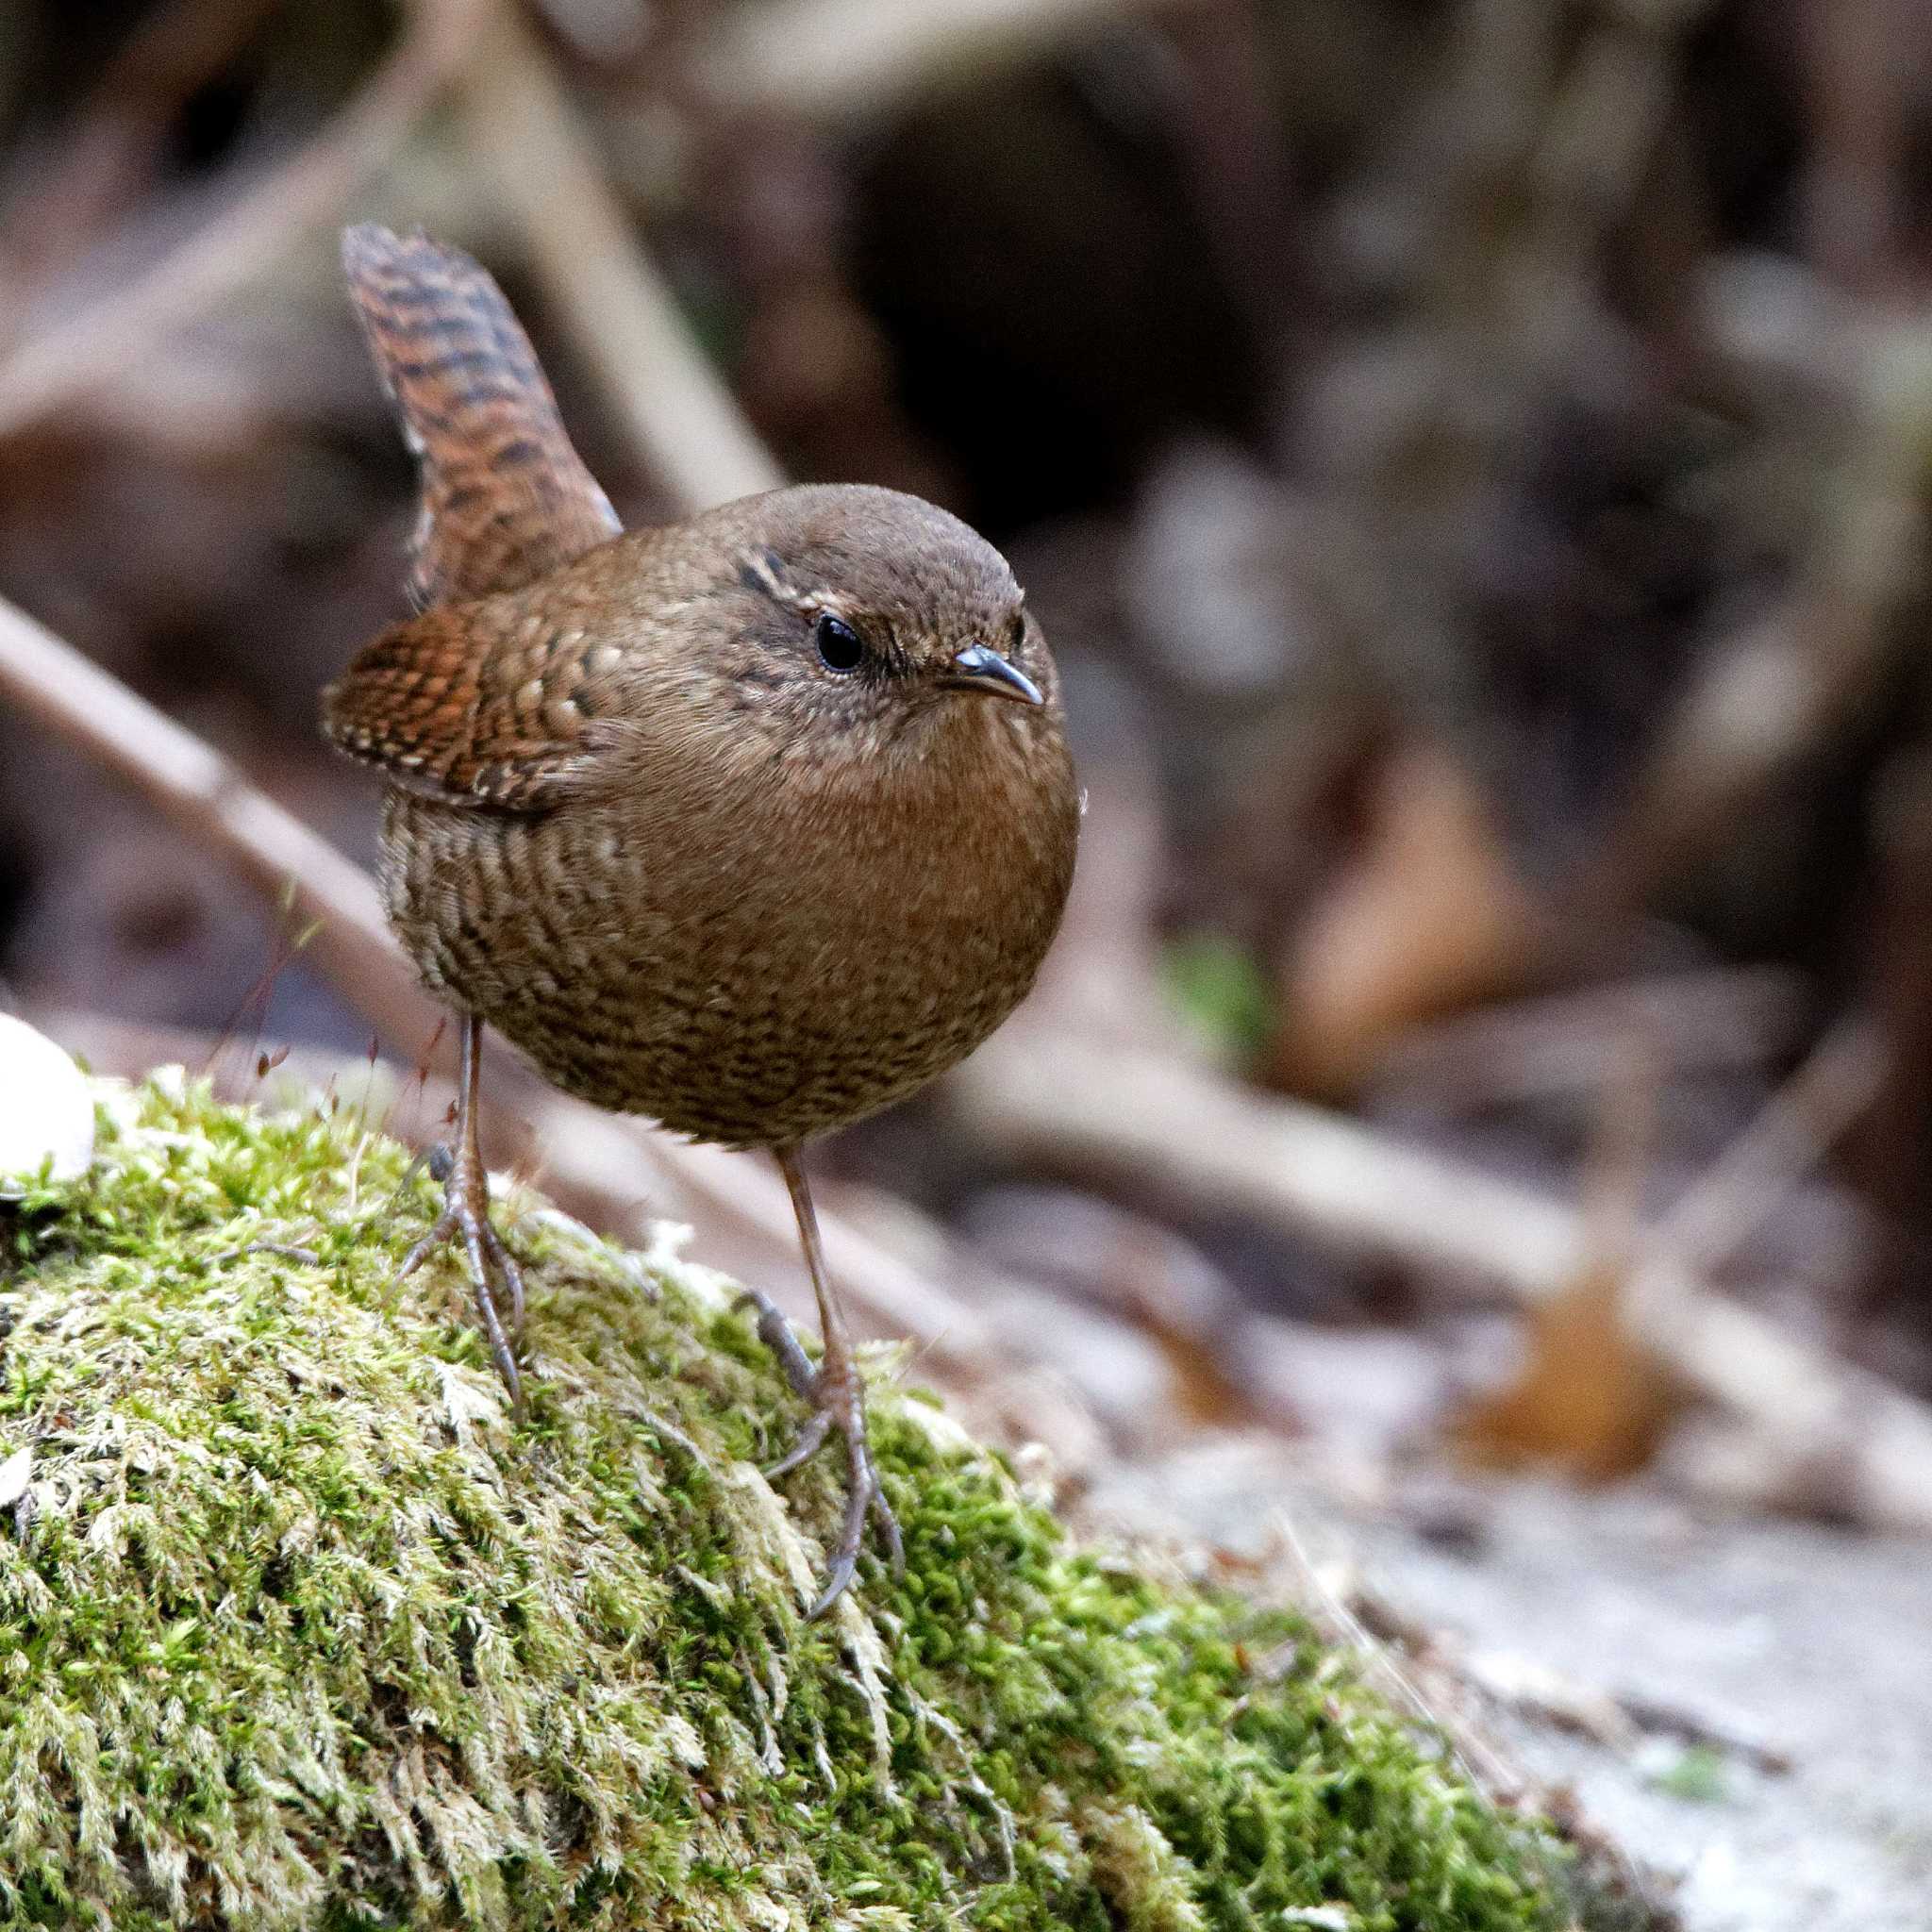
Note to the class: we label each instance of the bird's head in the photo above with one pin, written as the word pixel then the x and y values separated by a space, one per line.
pixel 875 616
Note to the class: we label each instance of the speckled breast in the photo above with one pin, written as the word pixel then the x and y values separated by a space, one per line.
pixel 727 994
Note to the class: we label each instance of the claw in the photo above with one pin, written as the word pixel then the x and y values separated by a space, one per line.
pixel 807 1446
pixel 513 1275
pixel 839 1574
pixel 888 1526
pixel 864 1496
pixel 838 1403
pixel 774 1331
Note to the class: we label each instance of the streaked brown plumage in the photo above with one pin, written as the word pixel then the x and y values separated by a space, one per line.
pixel 712 820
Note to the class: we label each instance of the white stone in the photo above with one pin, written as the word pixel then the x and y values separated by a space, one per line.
pixel 46 1107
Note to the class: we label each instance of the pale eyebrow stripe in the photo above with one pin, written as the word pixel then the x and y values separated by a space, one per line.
pixel 757 564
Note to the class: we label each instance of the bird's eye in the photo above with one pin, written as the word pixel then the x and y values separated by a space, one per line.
pixel 840 648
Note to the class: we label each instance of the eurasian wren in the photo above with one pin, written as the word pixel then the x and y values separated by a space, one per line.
pixel 752 824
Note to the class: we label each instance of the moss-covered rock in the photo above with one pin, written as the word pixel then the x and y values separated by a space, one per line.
pixel 298 1629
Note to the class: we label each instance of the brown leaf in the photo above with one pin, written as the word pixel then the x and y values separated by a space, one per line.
pixel 1428 914
pixel 1589 1400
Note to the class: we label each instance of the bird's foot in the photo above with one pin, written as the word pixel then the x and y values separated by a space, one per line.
pixel 838 1399
pixel 466 1215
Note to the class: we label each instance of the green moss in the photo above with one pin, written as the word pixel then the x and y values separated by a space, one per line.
pixel 297 1629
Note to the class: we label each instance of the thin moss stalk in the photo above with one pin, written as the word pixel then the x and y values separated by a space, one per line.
pixel 299 1629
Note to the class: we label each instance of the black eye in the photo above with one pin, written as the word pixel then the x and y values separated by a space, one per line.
pixel 838 646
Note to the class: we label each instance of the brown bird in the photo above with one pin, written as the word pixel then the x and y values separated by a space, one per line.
pixel 752 824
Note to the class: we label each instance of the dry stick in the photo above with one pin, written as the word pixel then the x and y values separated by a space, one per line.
pixel 843 58
pixel 1571 1043
pixel 61 364
pixel 621 316
pixel 1153 1122
pixel 1790 1136
pixel 214 805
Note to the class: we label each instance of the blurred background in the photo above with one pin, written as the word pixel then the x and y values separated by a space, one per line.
pixel 1470 1151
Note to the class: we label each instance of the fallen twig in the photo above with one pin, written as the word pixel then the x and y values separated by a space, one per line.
pixel 213 803
pixel 1619 1722
pixel 1571 1043
pixel 1153 1122
pixel 1788 1137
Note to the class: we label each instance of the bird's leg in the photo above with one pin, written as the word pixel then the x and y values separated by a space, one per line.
pixel 837 1393
pixel 466 1213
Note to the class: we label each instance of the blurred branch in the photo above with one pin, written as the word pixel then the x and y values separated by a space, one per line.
pixel 1176 1130
pixel 63 361
pixel 1570 1042
pixel 211 802
pixel 1791 1135
pixel 621 314
pixel 847 59
pixel 1159 1124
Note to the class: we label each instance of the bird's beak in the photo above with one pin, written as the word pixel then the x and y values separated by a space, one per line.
pixel 986 672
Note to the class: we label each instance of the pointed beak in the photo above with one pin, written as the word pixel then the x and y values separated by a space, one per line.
pixel 986 672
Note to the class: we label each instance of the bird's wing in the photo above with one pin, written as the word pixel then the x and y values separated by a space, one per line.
pixel 496 703
pixel 506 498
